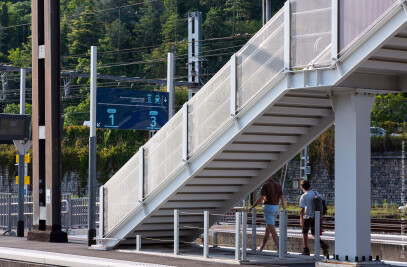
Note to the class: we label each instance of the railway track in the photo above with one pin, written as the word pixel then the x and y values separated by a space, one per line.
pixel 378 225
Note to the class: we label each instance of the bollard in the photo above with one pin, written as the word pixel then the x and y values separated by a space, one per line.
pixel 9 213
pixel 254 230
pixel 283 235
pixel 244 235
pixel 176 232
pixel 138 241
pixel 206 235
pixel 237 237
pixel 215 239
pixel 317 234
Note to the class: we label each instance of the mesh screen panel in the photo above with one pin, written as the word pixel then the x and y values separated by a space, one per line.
pixel 356 17
pixel 121 193
pixel 262 56
pixel 310 31
pixel 209 109
pixel 163 153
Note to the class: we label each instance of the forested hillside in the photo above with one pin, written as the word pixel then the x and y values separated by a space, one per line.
pixel 133 38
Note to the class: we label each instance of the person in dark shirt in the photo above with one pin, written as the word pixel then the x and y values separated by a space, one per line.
pixel 271 194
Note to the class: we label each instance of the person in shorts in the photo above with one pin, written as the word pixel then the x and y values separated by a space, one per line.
pixel 270 195
pixel 307 217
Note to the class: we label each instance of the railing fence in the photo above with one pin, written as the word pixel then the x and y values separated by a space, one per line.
pixel 74 212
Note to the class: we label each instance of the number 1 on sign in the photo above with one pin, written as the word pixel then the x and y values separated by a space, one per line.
pixel 112 118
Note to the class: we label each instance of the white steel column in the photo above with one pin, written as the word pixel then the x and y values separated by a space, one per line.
pixel 335 29
pixel 170 85
pixel 176 232
pixel 141 174
pixel 233 84
pixel 287 35
pixel 352 175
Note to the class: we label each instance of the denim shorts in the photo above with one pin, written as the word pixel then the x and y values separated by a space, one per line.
pixel 270 213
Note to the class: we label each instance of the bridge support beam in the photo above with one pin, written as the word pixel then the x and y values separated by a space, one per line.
pixel 352 175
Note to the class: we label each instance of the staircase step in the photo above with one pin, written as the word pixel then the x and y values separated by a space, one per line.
pixel 263 129
pixel 227 173
pixel 239 164
pixel 192 204
pixel 217 188
pixel 208 196
pixel 223 180
pixel 231 155
pixel 281 120
pixel 318 112
pixel 258 148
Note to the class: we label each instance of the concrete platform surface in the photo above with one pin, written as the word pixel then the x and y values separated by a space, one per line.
pixel 76 253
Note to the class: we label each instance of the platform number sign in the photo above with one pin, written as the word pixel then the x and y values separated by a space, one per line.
pixel 131 109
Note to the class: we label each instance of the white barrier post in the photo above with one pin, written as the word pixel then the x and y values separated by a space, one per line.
pixel 244 235
pixel 317 230
pixel 206 234
pixel 138 241
pixel 176 232
pixel 283 235
pixel 237 237
pixel 254 230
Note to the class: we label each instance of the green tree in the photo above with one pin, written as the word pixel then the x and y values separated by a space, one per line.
pixel 214 25
pixel 77 115
pixel 15 109
pixel 84 31
pixel 390 107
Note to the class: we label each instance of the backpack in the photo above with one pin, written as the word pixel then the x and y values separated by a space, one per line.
pixel 319 204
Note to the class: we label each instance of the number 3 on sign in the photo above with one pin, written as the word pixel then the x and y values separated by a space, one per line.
pixel 153 117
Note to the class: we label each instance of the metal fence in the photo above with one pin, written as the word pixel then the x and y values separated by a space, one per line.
pixel 74 212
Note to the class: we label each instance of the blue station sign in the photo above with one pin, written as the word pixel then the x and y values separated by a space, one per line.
pixel 131 109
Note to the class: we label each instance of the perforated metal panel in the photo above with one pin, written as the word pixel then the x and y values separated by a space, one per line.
pixel 311 30
pixel 262 56
pixel 209 109
pixel 121 194
pixel 357 16
pixel 163 154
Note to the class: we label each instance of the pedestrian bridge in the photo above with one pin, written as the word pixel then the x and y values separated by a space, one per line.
pixel 315 63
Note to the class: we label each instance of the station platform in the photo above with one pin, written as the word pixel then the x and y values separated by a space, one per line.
pixel 15 250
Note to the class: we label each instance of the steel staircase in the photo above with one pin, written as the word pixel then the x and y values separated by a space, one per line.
pixel 273 98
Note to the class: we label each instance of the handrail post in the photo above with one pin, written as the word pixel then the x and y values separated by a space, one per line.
pixel 233 85
pixel 176 232
pixel 185 132
pixel 317 236
pixel 237 236
pixel 287 36
pixel 335 29
pixel 101 211
pixel 244 235
pixel 206 234
pixel 254 230
pixel 141 175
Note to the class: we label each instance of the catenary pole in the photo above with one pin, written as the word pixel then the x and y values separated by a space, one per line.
pixel 92 149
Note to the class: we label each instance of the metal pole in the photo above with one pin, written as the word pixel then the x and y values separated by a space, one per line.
pixel 138 241
pixel 92 149
pixel 237 236
pixel 254 230
pixel 281 253
pixel 176 232
pixel 317 237
pixel 9 213
pixel 170 84
pixel 20 223
pixel 101 211
pixel 206 235
pixel 22 90
pixel 244 235
pixel 21 172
